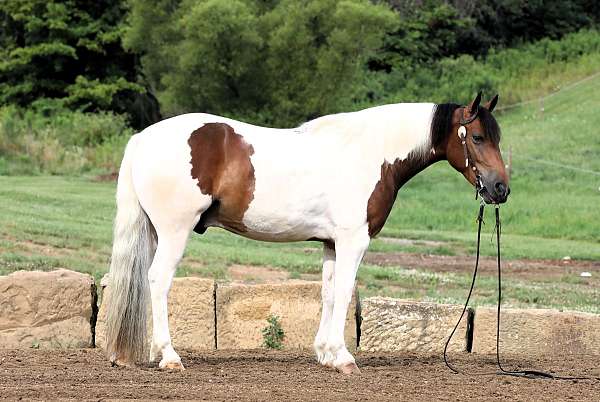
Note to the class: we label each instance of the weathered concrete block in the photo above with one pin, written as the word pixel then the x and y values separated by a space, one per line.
pixel 191 314
pixel 242 312
pixel 401 325
pixel 47 309
pixel 537 331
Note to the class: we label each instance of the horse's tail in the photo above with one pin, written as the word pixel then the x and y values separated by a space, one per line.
pixel 134 245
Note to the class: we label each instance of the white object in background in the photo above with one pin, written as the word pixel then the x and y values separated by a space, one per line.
pixel 585 275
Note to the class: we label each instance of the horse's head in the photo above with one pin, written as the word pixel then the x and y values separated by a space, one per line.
pixel 472 148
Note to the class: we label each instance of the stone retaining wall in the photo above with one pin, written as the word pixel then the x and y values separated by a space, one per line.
pixel 58 310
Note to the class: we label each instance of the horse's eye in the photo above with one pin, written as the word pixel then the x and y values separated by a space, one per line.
pixel 477 139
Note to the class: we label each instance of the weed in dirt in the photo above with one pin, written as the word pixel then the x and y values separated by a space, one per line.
pixel 273 334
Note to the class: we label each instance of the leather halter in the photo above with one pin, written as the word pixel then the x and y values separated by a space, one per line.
pixel 462 135
pixel 469 119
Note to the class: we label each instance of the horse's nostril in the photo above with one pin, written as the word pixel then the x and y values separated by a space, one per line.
pixel 501 188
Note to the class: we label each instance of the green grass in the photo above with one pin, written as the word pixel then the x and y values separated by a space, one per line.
pixel 571 292
pixel 53 221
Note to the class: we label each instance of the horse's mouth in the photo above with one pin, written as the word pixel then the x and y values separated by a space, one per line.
pixel 490 198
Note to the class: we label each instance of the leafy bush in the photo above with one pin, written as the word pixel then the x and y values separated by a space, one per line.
pixel 516 73
pixel 443 28
pixel 53 140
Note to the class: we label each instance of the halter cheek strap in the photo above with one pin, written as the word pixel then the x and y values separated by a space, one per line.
pixel 462 135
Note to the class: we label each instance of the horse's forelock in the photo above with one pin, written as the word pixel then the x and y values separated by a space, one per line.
pixel 490 125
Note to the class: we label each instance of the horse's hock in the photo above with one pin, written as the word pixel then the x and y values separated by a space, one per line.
pixel 47 310
pixel 242 312
pixel 401 325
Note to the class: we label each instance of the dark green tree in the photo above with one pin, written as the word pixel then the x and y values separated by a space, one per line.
pixel 427 31
pixel 68 51
pixel 274 62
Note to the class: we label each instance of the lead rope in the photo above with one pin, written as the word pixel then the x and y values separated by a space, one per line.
pixel 532 374
pixel 479 223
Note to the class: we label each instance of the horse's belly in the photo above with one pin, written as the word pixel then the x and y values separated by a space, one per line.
pixel 279 221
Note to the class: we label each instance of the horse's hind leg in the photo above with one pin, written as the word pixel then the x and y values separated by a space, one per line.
pixel 171 245
pixel 173 226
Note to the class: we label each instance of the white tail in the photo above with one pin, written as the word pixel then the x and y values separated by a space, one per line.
pixel 134 245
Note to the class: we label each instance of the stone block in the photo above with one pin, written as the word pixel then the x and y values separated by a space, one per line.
pixel 537 332
pixel 391 325
pixel 242 312
pixel 191 314
pixel 54 309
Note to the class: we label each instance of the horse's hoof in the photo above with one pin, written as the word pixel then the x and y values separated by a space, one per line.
pixel 174 366
pixel 349 368
pixel 116 362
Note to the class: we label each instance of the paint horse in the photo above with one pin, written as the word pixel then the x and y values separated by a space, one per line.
pixel 333 179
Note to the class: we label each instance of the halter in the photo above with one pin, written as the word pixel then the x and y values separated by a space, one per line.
pixel 462 135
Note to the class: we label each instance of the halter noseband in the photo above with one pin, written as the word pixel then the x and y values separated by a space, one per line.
pixel 462 134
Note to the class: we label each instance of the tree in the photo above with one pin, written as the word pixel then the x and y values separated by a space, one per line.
pixel 68 51
pixel 426 32
pixel 273 62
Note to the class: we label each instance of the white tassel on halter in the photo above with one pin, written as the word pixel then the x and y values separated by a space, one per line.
pixel 462 134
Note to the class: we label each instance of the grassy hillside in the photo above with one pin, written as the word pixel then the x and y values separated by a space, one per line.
pixel 553 211
pixel 555 183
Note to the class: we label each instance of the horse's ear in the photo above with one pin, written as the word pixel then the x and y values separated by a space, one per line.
pixel 475 104
pixel 492 103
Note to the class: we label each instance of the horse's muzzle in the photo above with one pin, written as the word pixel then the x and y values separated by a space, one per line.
pixel 494 191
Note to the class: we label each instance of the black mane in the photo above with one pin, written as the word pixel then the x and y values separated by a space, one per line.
pixel 441 123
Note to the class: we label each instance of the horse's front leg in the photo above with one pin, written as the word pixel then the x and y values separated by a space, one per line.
pixel 327 298
pixel 350 247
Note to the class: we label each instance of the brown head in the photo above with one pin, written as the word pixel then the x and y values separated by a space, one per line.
pixel 482 165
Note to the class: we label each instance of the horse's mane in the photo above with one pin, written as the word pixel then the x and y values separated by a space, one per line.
pixel 441 123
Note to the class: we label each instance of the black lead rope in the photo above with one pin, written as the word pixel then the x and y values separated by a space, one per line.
pixel 479 223
pixel 532 374
pixel 514 373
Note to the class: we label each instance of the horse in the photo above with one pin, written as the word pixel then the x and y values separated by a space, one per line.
pixel 333 179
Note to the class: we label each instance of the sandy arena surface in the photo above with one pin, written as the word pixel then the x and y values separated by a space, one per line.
pixel 290 376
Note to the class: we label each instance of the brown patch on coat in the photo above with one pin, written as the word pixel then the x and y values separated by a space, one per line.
pixel 221 164
pixel 393 176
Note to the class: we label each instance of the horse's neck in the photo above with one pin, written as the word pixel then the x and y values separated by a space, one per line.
pixel 390 131
pixel 413 165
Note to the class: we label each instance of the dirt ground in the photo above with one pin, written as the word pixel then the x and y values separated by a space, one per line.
pixel 518 269
pixel 526 269
pixel 290 376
